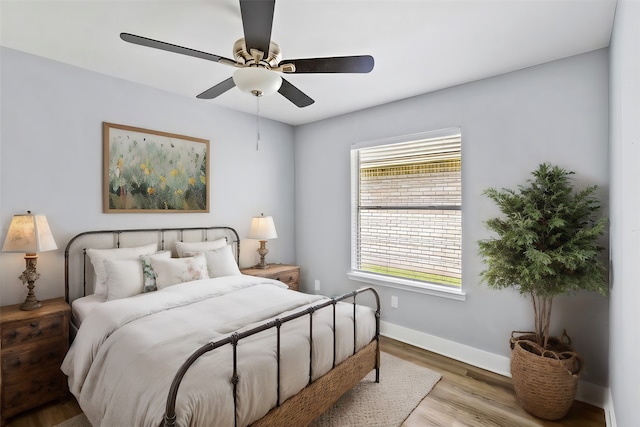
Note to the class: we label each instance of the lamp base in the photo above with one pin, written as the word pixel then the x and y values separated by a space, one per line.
pixel 260 266
pixel 262 251
pixel 30 304
pixel 29 276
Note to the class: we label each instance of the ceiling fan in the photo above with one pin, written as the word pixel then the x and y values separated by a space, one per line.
pixel 259 60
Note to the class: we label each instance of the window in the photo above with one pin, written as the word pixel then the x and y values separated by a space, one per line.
pixel 406 211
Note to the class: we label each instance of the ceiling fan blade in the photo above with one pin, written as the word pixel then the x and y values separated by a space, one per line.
pixel 337 64
pixel 257 20
pixel 156 44
pixel 294 94
pixel 218 89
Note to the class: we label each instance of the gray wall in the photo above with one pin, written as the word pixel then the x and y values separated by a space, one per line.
pixel 556 112
pixel 51 162
pixel 625 221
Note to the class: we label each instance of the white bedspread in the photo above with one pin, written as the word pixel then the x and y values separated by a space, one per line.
pixel 127 351
pixel 82 306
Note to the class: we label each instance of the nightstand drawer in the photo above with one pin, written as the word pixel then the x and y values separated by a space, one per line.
pixel 34 344
pixel 286 273
pixel 33 329
pixel 291 277
pixel 39 387
pixel 20 361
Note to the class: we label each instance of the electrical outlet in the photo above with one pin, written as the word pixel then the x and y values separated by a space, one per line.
pixel 317 285
pixel 394 301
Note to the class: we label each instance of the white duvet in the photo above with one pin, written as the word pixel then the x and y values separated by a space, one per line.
pixel 127 351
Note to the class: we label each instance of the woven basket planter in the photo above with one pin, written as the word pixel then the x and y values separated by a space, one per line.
pixel 545 381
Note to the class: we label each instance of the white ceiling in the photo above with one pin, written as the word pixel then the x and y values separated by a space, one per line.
pixel 418 46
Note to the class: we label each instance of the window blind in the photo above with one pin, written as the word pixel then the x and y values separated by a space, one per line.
pixel 406 218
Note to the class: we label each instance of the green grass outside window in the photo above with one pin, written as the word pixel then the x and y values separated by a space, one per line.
pixel 414 275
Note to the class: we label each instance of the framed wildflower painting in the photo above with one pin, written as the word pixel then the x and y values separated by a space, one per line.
pixel 147 171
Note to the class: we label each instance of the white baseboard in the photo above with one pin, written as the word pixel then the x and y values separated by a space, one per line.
pixel 587 392
pixel 609 413
pixel 463 353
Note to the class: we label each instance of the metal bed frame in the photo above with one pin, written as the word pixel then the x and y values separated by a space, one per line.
pixel 163 237
pixel 300 409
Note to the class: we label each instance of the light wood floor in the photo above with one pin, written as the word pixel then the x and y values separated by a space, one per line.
pixel 465 396
pixel 470 396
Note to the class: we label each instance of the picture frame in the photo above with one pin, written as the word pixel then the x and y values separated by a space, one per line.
pixel 147 171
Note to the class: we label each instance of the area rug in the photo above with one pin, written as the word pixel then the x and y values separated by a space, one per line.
pixel 402 387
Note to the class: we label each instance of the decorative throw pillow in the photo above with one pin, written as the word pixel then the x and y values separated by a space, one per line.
pixel 97 257
pixel 124 278
pixel 221 262
pixel 183 248
pixel 178 270
pixel 148 276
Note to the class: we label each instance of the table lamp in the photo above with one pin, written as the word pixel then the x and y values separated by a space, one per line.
pixel 29 233
pixel 263 229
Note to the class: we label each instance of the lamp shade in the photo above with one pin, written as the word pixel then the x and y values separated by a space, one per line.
pixel 29 233
pixel 262 228
pixel 257 81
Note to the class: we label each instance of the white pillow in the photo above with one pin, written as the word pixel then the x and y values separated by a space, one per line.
pixel 148 276
pixel 178 270
pixel 183 248
pixel 97 257
pixel 221 262
pixel 124 278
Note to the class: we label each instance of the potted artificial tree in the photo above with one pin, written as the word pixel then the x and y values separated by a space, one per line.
pixel 546 245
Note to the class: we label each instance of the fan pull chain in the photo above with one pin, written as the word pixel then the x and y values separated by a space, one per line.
pixel 257 123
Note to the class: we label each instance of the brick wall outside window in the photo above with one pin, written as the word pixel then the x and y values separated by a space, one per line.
pixel 417 240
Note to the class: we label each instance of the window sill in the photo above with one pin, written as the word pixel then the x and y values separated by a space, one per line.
pixel 407 285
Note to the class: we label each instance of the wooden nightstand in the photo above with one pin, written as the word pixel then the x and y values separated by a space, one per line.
pixel 34 344
pixel 288 274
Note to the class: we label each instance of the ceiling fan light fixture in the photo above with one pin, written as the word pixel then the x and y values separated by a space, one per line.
pixel 257 81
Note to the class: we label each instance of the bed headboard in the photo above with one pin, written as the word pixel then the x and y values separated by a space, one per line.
pixel 78 271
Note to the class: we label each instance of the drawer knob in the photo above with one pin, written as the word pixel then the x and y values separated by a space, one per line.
pixel 35 333
pixel 34 324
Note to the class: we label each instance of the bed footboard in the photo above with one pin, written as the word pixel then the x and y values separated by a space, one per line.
pixel 319 396
pixel 302 408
